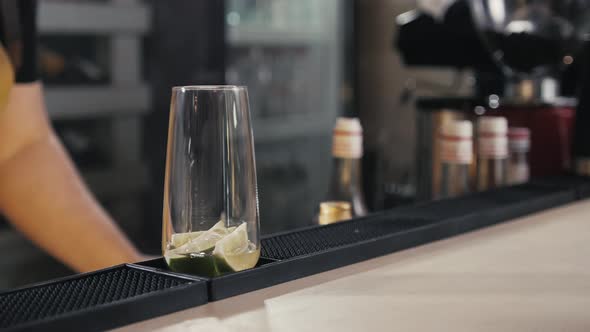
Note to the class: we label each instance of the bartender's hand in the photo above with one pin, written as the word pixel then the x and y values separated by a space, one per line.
pixel 42 194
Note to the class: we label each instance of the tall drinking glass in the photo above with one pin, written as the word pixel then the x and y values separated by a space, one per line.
pixel 210 218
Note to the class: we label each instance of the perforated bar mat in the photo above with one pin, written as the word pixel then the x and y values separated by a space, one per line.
pixel 448 217
pixel 516 200
pixel 303 252
pixel 98 300
pixel 316 239
pixel 125 294
pixel 580 184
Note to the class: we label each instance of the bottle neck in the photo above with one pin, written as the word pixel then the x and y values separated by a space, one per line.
pixel 346 184
pixel 454 180
pixel 518 157
pixel 491 158
pixel 518 168
pixel 346 173
pixel 491 173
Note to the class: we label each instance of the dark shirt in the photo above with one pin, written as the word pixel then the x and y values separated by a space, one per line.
pixel 18 35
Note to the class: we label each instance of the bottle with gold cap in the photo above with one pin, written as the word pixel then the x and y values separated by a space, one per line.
pixel 345 198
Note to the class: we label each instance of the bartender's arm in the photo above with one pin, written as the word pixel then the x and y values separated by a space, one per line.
pixel 41 192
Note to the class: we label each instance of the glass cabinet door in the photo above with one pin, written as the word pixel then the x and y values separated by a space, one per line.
pixel 289 54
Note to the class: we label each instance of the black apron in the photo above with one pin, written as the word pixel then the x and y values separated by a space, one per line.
pixel 18 35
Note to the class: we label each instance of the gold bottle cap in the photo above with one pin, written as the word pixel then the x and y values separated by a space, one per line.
pixel 334 211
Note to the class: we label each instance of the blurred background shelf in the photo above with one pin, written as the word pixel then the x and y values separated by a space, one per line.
pixel 248 36
pixel 100 18
pixel 86 102
pixel 272 129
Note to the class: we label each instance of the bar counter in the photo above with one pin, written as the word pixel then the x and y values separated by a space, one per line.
pixel 528 274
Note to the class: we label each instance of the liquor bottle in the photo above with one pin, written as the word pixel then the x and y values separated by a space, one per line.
pixel 519 144
pixel 492 152
pixel 345 196
pixel 456 152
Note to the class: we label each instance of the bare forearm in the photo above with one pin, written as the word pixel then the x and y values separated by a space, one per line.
pixel 42 194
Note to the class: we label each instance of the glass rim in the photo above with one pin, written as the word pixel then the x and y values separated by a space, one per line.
pixel 208 87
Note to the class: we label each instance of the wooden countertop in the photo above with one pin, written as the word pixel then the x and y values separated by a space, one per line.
pixel 531 274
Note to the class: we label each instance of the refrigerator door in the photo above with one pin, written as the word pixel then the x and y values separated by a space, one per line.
pixel 290 56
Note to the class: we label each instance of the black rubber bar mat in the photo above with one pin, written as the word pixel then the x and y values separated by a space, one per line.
pixel 580 184
pixel 99 300
pixel 262 276
pixel 352 241
pixel 128 293
pixel 295 254
pixel 498 204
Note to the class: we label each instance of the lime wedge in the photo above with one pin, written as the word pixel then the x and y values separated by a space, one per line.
pixel 235 252
pixel 219 227
pixel 180 239
pixel 204 242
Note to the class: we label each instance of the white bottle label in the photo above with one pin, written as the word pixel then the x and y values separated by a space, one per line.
pixel 456 150
pixel 493 146
pixel 347 144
